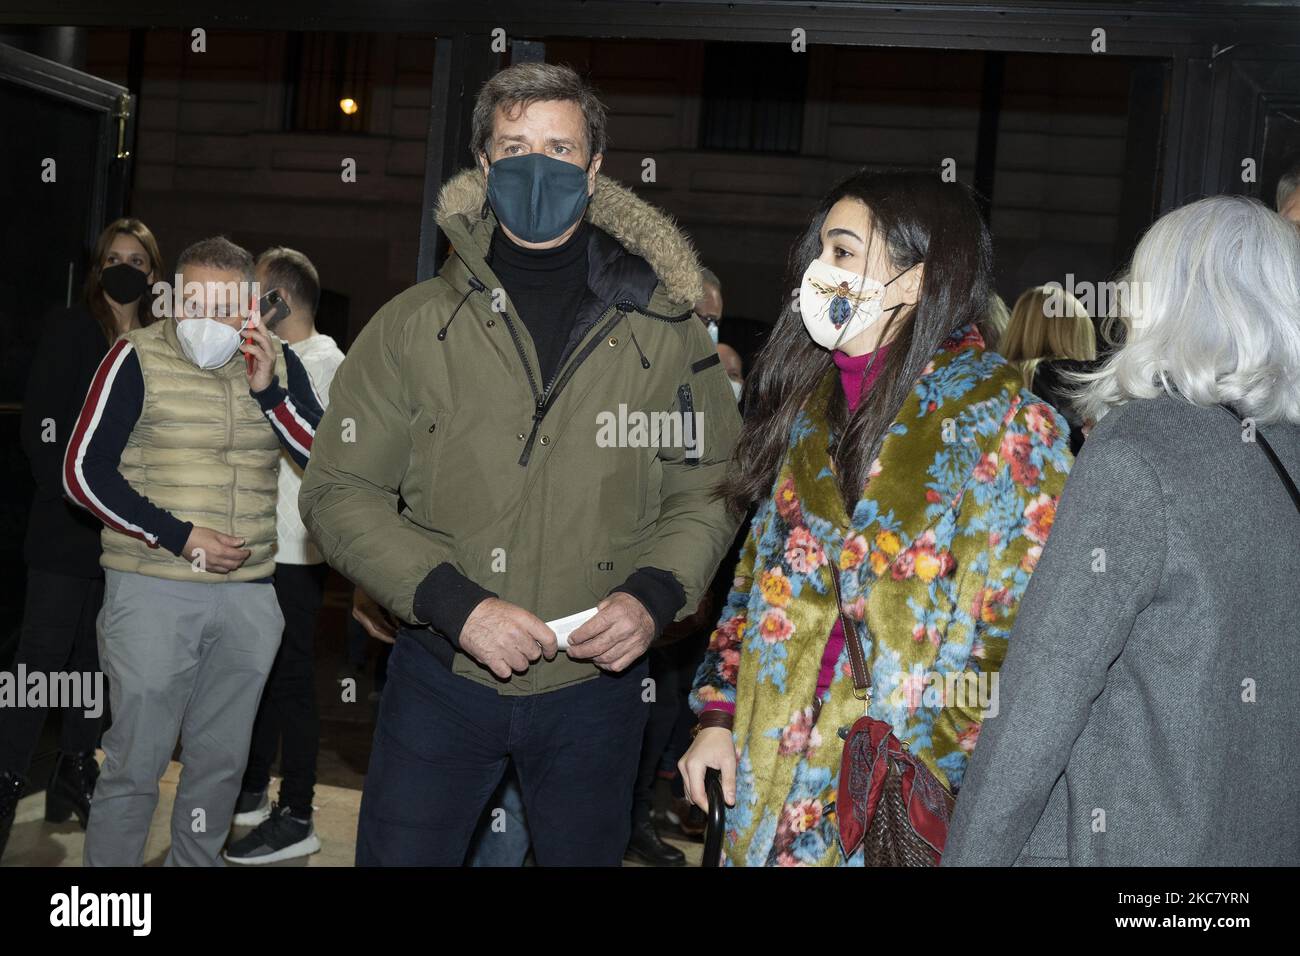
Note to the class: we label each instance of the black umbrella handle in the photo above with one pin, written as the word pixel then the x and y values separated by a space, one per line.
pixel 717 818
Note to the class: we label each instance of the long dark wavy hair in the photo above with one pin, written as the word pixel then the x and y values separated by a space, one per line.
pixel 920 218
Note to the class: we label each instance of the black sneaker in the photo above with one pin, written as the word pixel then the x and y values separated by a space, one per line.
pixel 281 837
pixel 252 808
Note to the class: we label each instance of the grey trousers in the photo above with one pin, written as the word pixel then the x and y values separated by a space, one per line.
pixel 185 659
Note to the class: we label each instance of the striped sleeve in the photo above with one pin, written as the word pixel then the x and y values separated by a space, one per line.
pixel 293 413
pixel 90 466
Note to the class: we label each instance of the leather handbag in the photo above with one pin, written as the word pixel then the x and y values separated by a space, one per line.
pixel 889 802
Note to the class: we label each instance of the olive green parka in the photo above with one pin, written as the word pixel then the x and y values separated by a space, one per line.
pixel 441 444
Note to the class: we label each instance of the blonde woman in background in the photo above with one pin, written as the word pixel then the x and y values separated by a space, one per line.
pixel 1050 336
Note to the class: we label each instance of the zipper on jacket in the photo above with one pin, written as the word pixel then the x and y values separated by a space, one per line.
pixel 230 442
pixel 645 362
pixel 476 285
pixel 543 400
pixel 633 307
pixel 523 356
pixel 539 398
pixel 556 385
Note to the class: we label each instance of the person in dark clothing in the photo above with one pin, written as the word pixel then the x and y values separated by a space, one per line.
pixel 369 621
pixel 673 662
pixel 1050 336
pixel 288 718
pixel 676 655
pixel 65 584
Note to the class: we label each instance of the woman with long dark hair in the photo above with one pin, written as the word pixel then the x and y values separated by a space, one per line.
pixel 65 585
pixel 903 476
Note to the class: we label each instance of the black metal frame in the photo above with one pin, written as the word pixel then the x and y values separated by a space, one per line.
pixel 1146 27
pixel 461 64
pixel 112 172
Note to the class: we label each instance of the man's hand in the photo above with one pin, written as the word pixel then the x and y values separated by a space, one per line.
pixel 505 638
pixel 378 623
pixel 258 344
pixel 221 553
pixel 616 636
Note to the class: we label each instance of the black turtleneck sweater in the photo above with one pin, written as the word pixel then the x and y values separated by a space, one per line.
pixel 546 287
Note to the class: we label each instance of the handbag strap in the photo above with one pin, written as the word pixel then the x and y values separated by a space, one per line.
pixel 857 660
pixel 1272 457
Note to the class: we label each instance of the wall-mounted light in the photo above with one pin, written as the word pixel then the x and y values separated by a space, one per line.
pixel 348 105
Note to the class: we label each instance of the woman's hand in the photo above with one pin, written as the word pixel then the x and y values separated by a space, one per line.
pixel 713 747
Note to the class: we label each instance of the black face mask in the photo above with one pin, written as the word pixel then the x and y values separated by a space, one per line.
pixel 124 283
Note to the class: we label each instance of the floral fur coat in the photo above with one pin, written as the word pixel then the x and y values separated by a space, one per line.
pixel 932 563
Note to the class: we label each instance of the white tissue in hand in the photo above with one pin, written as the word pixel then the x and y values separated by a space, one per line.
pixel 564 626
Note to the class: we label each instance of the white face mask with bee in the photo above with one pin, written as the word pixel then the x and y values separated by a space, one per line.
pixel 837 305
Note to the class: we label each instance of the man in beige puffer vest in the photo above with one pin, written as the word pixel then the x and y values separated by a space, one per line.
pixel 177 451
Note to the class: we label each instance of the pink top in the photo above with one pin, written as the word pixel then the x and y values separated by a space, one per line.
pixel 856 380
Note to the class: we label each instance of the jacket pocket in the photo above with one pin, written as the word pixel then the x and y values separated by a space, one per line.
pixel 427 430
pixel 641 465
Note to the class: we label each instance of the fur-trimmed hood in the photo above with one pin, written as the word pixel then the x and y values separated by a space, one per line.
pixel 639 227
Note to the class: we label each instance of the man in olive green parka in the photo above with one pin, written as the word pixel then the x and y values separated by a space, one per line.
pixel 537 431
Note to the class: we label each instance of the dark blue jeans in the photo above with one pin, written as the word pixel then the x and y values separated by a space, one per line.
pixel 442 744
pixel 501 838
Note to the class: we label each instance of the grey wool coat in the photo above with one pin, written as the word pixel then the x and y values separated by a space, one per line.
pixel 1148 705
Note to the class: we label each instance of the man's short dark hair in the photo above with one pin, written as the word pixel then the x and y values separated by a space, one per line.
pixel 290 270
pixel 218 252
pixel 524 84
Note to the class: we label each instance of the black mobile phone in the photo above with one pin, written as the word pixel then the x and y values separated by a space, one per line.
pixel 273 309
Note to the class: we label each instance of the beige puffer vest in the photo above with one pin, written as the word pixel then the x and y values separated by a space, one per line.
pixel 203 450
